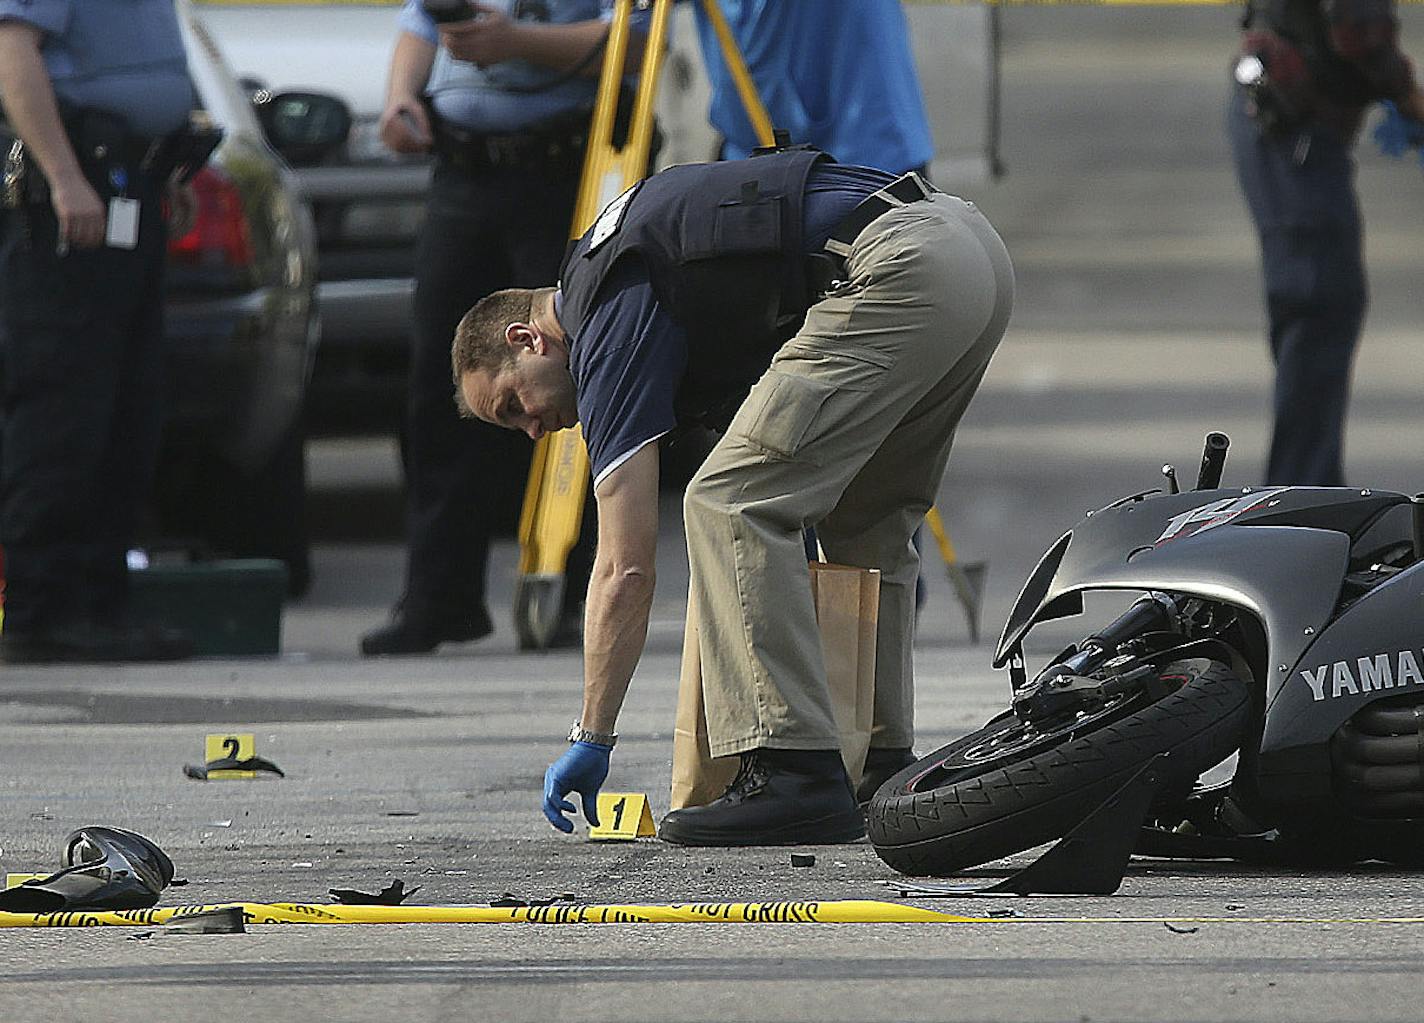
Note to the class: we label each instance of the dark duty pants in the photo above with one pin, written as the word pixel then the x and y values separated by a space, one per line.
pixel 484 230
pixel 1302 198
pixel 81 364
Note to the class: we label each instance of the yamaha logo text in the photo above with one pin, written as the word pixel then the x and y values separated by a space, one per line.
pixel 1365 675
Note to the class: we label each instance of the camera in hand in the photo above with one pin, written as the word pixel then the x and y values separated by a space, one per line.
pixel 444 12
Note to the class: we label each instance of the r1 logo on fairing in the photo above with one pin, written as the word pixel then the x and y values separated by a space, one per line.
pixel 1217 513
pixel 1365 675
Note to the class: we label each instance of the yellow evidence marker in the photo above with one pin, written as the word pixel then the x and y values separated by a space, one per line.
pixel 225 746
pixel 622 817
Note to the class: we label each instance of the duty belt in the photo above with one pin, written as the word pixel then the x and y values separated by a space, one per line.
pixel 828 268
pixel 533 150
pixel 181 154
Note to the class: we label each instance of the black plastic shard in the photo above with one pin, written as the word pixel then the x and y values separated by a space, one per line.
pixel 103 868
pixel 511 901
pixel 392 894
pixel 253 763
pixel 1089 860
pixel 225 920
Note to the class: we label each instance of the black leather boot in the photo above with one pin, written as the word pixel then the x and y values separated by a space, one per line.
pixel 779 797
pixel 416 631
pixel 881 764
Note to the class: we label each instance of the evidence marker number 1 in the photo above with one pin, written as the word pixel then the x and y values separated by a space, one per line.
pixel 622 817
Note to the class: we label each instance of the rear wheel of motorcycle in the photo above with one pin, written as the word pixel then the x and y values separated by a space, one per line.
pixel 1007 787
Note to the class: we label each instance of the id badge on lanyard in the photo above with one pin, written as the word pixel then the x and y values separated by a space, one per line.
pixel 121 231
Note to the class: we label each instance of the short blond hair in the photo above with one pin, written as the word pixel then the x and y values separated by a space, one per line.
pixel 480 343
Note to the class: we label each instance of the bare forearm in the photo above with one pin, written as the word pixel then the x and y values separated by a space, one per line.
pixel 616 628
pixel 410 67
pixel 30 105
pixel 562 46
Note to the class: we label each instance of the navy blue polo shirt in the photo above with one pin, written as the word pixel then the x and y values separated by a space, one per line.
pixel 629 357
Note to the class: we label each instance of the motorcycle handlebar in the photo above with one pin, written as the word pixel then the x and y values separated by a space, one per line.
pixel 1150 614
pixel 1213 461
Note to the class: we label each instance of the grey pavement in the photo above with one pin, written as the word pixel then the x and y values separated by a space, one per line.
pixel 1137 330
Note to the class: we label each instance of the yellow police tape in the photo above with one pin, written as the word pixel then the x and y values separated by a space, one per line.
pixel 850 911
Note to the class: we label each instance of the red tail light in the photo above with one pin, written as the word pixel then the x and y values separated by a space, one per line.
pixel 219 233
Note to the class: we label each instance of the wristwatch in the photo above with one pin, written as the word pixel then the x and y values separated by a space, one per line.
pixel 578 733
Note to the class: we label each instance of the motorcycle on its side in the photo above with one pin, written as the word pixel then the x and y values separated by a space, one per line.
pixel 1278 645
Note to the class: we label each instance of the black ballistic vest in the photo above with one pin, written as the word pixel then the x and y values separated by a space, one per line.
pixel 722 243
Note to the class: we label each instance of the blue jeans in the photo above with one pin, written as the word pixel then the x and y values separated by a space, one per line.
pixel 1301 190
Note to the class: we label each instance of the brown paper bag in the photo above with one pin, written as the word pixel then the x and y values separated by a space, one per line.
pixel 847 611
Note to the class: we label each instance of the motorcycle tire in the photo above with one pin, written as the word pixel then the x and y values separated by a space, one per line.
pixel 1007 787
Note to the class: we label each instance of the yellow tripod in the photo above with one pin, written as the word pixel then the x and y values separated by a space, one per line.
pixel 558 476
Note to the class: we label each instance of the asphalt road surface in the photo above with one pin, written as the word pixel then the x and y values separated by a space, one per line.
pixel 1137 330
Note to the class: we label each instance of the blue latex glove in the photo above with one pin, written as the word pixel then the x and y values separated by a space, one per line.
pixel 1396 133
pixel 582 769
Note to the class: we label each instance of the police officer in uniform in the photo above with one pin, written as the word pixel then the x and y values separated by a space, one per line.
pixel 862 311
pixel 502 96
pixel 91 89
pixel 1307 72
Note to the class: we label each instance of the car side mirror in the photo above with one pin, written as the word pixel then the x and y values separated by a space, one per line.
pixel 303 126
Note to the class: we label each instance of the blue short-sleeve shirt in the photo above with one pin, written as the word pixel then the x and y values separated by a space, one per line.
pixel 498 98
pixel 122 56
pixel 629 355
pixel 627 362
pixel 836 74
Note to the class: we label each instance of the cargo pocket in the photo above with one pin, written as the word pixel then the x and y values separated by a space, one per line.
pixel 806 394
pixel 778 413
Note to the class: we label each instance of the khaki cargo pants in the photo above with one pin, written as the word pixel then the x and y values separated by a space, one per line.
pixel 848 431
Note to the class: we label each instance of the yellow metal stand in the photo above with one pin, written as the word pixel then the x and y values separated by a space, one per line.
pixel 558 476
pixel 967 578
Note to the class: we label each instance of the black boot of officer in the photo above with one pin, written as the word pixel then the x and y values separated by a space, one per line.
pixel 419 630
pixel 779 797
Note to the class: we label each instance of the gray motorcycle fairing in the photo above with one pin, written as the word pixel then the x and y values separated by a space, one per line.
pixel 1366 653
pixel 1265 559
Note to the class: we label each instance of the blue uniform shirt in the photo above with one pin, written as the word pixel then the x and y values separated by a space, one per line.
pixel 629 356
pixel 836 74
pixel 122 56
pixel 481 98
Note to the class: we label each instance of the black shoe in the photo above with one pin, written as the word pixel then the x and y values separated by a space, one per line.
pixel 409 632
pixel 779 797
pixel 880 766
pixel 93 643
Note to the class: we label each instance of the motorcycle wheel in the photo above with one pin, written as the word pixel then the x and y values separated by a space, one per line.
pixel 1009 786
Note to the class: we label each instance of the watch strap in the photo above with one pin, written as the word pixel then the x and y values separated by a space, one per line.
pixel 580 734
